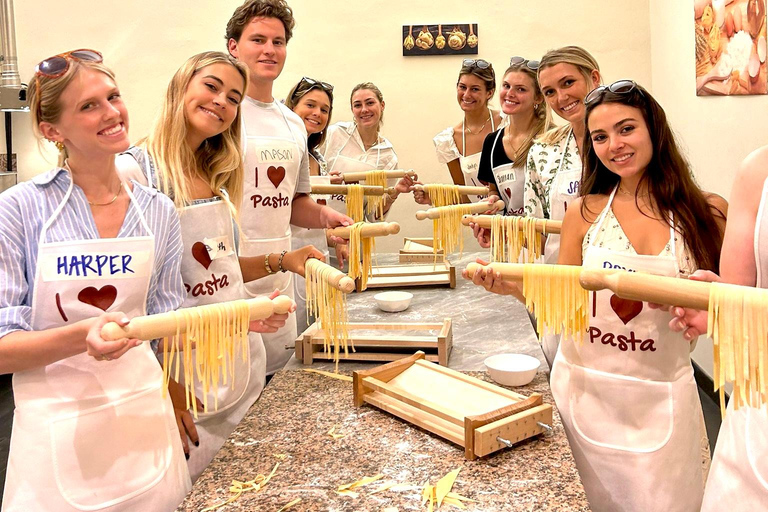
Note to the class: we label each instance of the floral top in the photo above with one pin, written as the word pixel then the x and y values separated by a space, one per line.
pixel 543 164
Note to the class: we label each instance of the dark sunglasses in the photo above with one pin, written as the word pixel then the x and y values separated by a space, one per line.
pixel 56 66
pixel 617 87
pixel 533 65
pixel 315 83
pixel 476 63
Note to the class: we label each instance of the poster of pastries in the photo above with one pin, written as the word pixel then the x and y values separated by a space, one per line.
pixel 730 47
pixel 448 39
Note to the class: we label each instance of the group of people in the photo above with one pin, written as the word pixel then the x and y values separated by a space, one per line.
pixel 214 204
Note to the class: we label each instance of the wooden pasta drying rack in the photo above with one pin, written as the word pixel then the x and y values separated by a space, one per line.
pixel 441 273
pixel 419 250
pixel 381 347
pixel 462 409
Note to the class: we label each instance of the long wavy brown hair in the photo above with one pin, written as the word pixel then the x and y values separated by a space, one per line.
pixel 668 178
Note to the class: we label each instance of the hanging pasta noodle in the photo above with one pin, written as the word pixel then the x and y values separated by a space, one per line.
pixel 219 333
pixel 360 249
pixel 446 229
pixel 554 295
pixel 509 235
pixel 738 326
pixel 441 194
pixel 329 305
pixel 375 204
pixel 355 202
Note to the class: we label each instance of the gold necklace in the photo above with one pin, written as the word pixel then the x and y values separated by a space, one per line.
pixel 466 127
pixel 521 146
pixel 119 188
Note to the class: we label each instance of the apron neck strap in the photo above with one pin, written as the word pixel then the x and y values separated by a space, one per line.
pixel 135 204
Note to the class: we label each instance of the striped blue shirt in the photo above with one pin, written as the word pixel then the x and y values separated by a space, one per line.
pixel 24 209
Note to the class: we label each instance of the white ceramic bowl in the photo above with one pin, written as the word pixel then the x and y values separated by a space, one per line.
pixel 512 369
pixel 393 301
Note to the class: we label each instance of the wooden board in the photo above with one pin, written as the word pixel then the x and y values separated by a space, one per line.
pixel 462 409
pixel 419 250
pixel 384 345
pixel 406 276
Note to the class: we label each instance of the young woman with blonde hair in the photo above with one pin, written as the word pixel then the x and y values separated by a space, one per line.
pixel 92 429
pixel 193 154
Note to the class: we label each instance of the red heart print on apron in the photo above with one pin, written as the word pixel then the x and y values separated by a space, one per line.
pixel 200 253
pixel 276 174
pixel 625 309
pixel 101 298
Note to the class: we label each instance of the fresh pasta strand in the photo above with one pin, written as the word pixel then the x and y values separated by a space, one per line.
pixel 510 234
pixel 441 194
pixel 446 229
pixel 219 333
pixel 554 295
pixel 329 305
pixel 355 202
pixel 736 323
pixel 360 249
pixel 375 204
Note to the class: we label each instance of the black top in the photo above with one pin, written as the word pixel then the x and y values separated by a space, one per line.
pixel 484 171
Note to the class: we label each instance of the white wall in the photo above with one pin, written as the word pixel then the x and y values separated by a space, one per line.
pixel 343 43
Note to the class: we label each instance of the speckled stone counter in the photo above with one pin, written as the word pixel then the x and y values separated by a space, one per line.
pixel 297 409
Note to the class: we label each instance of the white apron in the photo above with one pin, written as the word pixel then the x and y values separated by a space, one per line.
pixel 271 171
pixel 211 272
pixel 470 164
pixel 564 189
pixel 738 478
pixel 628 399
pixel 510 181
pixel 303 237
pixel 88 434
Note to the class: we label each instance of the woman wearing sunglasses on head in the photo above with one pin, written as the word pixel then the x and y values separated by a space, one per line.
pixel 459 146
pixel 79 248
pixel 627 395
pixel 359 145
pixel 502 163
pixel 193 155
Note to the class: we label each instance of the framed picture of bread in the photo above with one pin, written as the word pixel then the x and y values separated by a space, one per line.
pixel 730 47
pixel 445 39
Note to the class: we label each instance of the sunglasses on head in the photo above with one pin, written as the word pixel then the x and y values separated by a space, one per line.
pixel 476 63
pixel 533 65
pixel 56 66
pixel 617 87
pixel 315 83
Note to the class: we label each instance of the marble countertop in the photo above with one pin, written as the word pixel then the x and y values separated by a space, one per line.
pixel 297 409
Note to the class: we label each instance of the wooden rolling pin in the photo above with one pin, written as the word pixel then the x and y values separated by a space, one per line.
pixel 151 327
pixel 544 226
pixel 338 279
pixel 369 229
pixel 361 175
pixel 368 190
pixel 465 190
pixel 434 213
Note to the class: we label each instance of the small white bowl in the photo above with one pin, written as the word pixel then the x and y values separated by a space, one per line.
pixel 393 301
pixel 512 369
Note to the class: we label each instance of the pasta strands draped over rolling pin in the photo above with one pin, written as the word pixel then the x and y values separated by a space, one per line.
pixel 738 325
pixel 554 295
pixel 360 249
pixel 446 229
pixel 219 333
pixel 442 194
pixel 375 204
pixel 509 235
pixel 329 305
pixel 355 202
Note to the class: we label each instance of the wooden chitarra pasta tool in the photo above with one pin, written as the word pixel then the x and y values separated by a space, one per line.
pixel 544 226
pixel 368 190
pixel 464 190
pixel 465 209
pixel 163 325
pixel 481 417
pixel 362 175
pixel 370 229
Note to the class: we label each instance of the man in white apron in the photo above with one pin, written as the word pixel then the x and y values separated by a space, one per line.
pixel 628 399
pixel 277 183
pixel 88 434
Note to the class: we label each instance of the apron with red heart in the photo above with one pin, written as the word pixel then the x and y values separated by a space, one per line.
pixel 88 434
pixel 510 181
pixel 470 164
pixel 272 166
pixel 628 399
pixel 211 272
pixel 738 479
